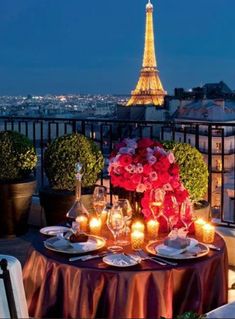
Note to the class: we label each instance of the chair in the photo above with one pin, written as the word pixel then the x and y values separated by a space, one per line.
pixel 12 295
pixel 227 311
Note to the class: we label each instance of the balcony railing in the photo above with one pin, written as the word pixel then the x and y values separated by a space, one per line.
pixel 107 132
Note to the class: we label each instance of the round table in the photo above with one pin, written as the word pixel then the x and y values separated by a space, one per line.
pixel 57 288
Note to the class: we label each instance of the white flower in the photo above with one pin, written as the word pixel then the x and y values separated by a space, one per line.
pixel 127 150
pixel 139 168
pixel 171 157
pixel 130 168
pixel 151 159
pixel 153 176
pixel 167 187
pixel 130 142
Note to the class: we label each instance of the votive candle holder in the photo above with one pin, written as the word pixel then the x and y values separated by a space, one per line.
pixel 208 235
pixel 137 240
pixel 83 222
pixel 198 224
pixel 139 226
pixel 95 225
pixel 153 228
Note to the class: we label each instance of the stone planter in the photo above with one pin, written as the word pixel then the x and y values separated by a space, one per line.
pixel 15 203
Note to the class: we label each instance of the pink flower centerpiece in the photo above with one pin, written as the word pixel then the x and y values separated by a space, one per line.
pixel 143 165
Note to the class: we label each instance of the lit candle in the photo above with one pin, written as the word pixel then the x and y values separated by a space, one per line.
pixel 137 239
pixel 138 226
pixel 95 226
pixel 199 223
pixel 83 222
pixel 153 227
pixel 208 233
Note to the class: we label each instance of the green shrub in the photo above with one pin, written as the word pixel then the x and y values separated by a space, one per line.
pixel 62 155
pixel 193 169
pixel 17 156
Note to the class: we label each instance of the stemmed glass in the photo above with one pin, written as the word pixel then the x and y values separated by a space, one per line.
pixel 156 204
pixel 115 223
pixel 124 204
pixel 174 218
pixel 99 199
pixel 186 215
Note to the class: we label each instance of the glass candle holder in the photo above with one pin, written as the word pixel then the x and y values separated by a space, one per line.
pixel 83 222
pixel 139 226
pixel 199 223
pixel 208 234
pixel 95 225
pixel 137 240
pixel 153 228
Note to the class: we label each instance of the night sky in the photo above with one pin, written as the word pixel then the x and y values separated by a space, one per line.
pixel 96 46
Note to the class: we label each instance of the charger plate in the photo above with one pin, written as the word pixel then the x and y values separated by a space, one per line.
pixel 198 251
pixel 64 246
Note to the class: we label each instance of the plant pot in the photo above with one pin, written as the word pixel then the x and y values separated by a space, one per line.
pixel 15 202
pixel 202 209
pixel 57 203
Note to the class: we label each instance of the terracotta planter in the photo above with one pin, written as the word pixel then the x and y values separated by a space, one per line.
pixel 57 203
pixel 15 202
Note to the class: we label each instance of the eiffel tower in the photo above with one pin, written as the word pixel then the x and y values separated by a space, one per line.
pixel 149 89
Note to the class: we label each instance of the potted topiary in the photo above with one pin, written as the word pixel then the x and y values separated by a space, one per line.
pixel 193 173
pixel 60 159
pixel 17 185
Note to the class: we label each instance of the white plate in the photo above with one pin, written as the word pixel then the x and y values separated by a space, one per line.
pixel 121 260
pixel 61 245
pixel 195 250
pixel 53 230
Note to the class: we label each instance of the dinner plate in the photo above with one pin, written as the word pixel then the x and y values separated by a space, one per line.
pixel 53 230
pixel 121 260
pixel 195 250
pixel 62 245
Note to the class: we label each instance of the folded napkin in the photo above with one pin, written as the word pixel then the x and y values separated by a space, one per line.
pixel 170 251
pixel 85 246
pixel 60 243
pixel 121 260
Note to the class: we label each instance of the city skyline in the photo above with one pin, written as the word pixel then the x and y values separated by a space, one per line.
pixel 91 47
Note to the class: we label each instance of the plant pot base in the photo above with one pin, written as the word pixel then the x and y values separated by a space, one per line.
pixel 15 203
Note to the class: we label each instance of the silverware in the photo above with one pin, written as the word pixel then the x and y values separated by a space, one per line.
pixel 213 247
pixel 144 256
pixel 88 257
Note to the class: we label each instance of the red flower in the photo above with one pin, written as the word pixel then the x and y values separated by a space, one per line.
pixel 125 160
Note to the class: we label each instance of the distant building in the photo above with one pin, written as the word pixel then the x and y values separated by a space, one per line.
pixel 219 142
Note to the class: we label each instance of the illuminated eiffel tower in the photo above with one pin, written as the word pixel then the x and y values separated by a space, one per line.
pixel 149 89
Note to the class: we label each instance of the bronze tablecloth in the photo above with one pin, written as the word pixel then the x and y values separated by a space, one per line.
pixel 57 288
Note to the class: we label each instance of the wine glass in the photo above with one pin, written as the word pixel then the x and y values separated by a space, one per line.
pixel 124 204
pixel 99 199
pixel 186 215
pixel 173 218
pixel 115 223
pixel 157 197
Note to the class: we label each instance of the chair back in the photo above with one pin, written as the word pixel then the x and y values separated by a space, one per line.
pixel 12 295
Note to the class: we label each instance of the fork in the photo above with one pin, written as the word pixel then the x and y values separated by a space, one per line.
pixel 158 260
pixel 144 256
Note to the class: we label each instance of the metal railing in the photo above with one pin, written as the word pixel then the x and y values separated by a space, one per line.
pixel 106 132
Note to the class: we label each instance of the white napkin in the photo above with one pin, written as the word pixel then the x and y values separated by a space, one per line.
pixel 121 260
pixel 170 251
pixel 60 243
pixel 85 246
